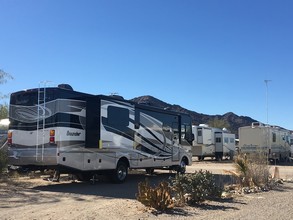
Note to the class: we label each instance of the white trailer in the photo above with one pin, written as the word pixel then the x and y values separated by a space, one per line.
pixel 85 134
pixel 212 142
pixel 272 141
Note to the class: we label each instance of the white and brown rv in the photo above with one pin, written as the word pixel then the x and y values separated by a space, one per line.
pixel 58 128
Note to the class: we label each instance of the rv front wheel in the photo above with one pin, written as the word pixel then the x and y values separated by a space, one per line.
pixel 182 167
pixel 120 173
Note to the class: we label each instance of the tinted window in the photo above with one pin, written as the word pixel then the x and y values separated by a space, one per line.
pixel 199 132
pixel 118 117
pixel 218 140
pixel 274 137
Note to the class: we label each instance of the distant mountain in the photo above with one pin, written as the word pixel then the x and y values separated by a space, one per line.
pixel 230 118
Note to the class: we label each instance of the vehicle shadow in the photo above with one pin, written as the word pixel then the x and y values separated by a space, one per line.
pixel 104 187
pixel 127 190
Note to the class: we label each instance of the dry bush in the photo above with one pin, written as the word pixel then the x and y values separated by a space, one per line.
pixel 251 170
pixel 3 161
pixel 158 197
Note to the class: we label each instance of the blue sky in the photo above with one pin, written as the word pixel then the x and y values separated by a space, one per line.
pixel 209 56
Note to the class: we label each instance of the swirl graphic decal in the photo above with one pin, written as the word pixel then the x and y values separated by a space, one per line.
pixel 30 114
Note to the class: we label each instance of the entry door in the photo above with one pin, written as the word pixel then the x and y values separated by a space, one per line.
pixel 218 142
pixel 199 135
pixel 175 148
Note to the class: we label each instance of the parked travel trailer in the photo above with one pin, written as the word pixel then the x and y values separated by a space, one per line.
pixel 58 128
pixel 272 141
pixel 212 142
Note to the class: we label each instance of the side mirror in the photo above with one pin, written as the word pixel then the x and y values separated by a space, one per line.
pixel 166 129
pixel 192 137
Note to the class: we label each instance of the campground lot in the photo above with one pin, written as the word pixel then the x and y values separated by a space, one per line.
pixel 26 198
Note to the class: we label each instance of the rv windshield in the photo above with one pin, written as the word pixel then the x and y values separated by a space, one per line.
pixel 30 97
pixel 23 109
pixel 50 106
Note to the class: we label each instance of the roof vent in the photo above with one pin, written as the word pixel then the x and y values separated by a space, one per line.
pixel 117 97
pixel 257 124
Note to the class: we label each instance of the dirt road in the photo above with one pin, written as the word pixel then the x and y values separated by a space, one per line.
pixel 285 170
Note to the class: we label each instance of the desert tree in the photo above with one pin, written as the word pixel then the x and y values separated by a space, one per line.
pixel 218 123
pixel 4 76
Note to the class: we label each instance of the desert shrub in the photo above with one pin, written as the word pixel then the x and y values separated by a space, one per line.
pixel 195 187
pixel 3 161
pixel 157 197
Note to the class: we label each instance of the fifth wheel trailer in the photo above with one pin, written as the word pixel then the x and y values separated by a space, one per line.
pixel 212 142
pixel 272 141
pixel 69 131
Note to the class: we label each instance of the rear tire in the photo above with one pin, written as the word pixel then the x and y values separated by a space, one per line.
pixel 219 156
pixel 150 171
pixel 119 175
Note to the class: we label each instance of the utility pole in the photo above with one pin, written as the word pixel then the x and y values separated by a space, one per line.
pixel 266 82
pixel 267 106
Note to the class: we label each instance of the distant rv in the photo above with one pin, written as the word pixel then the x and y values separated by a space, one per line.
pixel 58 128
pixel 272 141
pixel 212 142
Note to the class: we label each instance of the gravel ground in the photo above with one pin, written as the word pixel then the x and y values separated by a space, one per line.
pixel 26 198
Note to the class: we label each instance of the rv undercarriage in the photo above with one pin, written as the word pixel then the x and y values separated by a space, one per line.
pixel 117 175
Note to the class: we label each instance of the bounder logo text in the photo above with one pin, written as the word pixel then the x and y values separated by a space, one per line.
pixel 71 133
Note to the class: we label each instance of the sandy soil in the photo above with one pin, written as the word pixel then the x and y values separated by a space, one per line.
pixel 26 198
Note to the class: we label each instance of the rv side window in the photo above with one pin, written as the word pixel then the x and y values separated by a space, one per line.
pixel 226 140
pixel 274 137
pixel 118 117
pixel 199 132
pixel 218 140
pixel 186 132
pixel 175 130
pixel 232 140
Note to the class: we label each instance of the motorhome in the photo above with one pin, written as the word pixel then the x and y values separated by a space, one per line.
pixel 62 129
pixel 212 142
pixel 272 141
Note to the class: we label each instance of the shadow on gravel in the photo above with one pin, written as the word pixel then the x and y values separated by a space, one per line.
pixel 178 212
pixel 216 207
pixel 106 188
pixel 127 190
pixel 284 187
